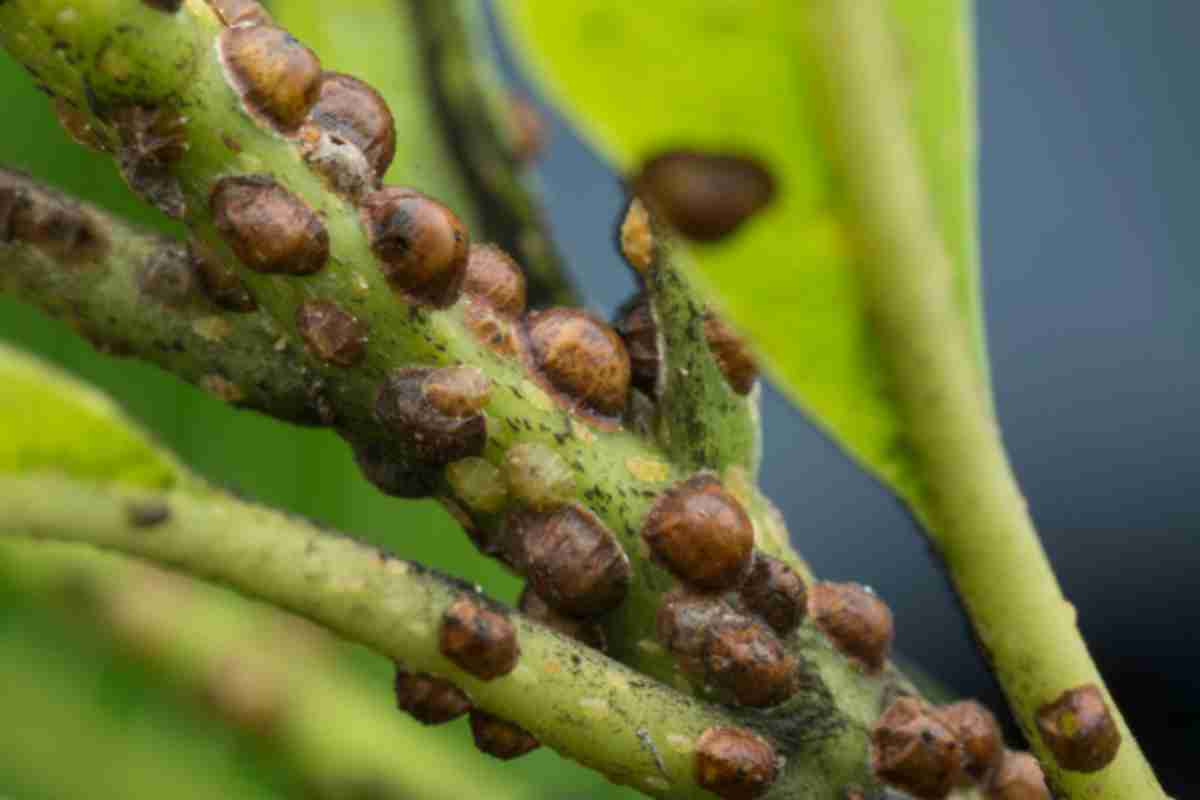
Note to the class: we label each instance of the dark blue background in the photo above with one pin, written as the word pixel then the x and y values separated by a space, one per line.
pixel 1089 116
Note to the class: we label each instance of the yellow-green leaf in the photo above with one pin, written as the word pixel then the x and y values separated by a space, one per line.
pixel 738 77
pixel 52 422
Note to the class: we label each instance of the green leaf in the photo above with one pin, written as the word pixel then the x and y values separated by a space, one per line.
pixel 50 421
pixel 737 78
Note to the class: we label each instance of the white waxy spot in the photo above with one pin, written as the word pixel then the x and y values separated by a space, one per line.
pixel 657 783
pixel 595 706
pixel 679 743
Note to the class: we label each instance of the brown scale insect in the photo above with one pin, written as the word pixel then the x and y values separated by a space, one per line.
pixel 422 246
pixel 391 475
pixel 331 333
pixel 571 560
pixel 495 288
pixel 1019 777
pixel 219 281
pixel 1079 729
pixel 913 749
pixel 735 764
pixel 352 111
pixel 478 639
pixel 744 657
pixel 635 323
pixel 152 138
pixel 535 608
pixel 581 357
pixel 240 12
pixel 494 278
pixel 529 132
pixel 168 276
pixel 701 533
pixel 500 738
pixel 276 76
pixel 776 593
pixel 436 438
pixel 685 622
pixel 270 229
pixel 47 221
pixel 731 354
pixel 855 620
pixel 979 735
pixel 79 125
pixel 458 391
pixel 429 700
pixel 705 196
pixel 638 243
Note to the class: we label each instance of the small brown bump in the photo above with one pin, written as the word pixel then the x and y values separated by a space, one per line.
pixel 538 477
pixel 1079 729
pixel 270 229
pixel 744 658
pixel 913 749
pixel 148 513
pixel 776 593
pixel 240 12
pixel 494 329
pixel 638 244
pixel 167 6
pixel 731 353
pixel 735 764
pixel 391 475
pixel 701 533
pixel 535 608
pixel 276 76
pixel 1019 777
pixel 528 129
pixel 855 620
pixel 79 125
pixel 150 134
pixel 52 223
pixel 422 246
pixel 401 405
pixel 704 196
pixel 168 275
pixel 222 388
pixel 572 561
pixel 352 111
pixel 458 391
pixel 500 738
pixel 636 325
pixel 581 357
pixel 331 333
pixel 430 700
pixel 220 281
pixel 684 624
pixel 979 735
pixel 481 641
pixel 494 278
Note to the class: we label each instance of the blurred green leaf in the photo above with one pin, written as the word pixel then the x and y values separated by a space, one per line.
pixel 54 422
pixel 735 78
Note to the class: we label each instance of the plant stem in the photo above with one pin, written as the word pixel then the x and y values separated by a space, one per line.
pixel 977 518
pixel 589 708
pixel 293 693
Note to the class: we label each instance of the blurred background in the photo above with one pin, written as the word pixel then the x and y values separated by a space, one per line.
pixel 1090 252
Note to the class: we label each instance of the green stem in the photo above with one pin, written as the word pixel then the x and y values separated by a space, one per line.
pixel 587 707
pixel 196 638
pixel 977 517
